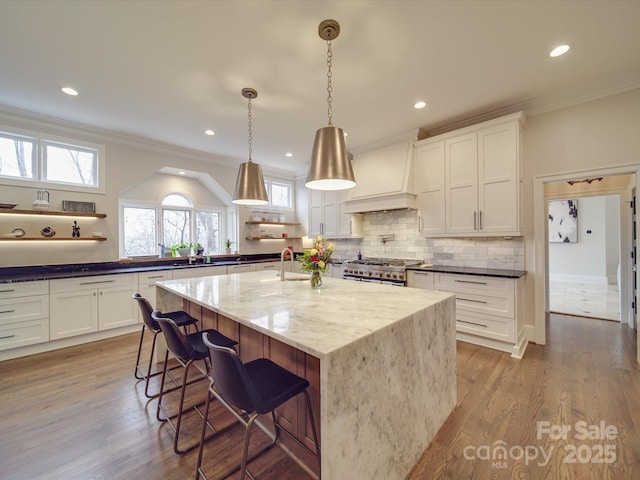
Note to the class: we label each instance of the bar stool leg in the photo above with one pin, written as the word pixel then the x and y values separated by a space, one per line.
pixel 137 370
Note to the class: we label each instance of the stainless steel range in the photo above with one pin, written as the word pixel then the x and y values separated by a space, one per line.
pixel 378 270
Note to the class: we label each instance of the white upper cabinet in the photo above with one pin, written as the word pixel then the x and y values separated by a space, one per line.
pixel 327 215
pixel 429 168
pixel 468 181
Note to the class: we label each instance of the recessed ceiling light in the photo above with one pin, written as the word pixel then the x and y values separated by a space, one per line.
pixel 182 173
pixel 559 50
pixel 70 91
pixel 288 154
pixel 209 132
pixel 420 104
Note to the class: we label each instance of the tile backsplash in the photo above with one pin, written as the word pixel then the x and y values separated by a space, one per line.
pixel 395 234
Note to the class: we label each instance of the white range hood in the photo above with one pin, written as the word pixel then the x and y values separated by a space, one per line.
pixel 384 180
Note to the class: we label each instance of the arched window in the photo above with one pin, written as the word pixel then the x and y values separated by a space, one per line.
pixel 176 200
pixel 178 223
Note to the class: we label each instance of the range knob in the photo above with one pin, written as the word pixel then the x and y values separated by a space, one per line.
pixel 360 272
pixel 368 273
pixel 388 275
pixel 395 275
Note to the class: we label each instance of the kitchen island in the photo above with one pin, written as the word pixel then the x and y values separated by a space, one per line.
pixel 381 359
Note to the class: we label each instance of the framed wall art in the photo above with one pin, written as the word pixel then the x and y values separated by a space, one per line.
pixel 563 221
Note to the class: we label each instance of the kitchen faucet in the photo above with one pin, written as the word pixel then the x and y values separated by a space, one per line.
pixel 282 261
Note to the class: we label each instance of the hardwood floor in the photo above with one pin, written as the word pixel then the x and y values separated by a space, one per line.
pixel 78 413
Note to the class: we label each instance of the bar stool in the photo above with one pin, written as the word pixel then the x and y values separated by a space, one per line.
pixel 248 390
pixel 182 319
pixel 188 350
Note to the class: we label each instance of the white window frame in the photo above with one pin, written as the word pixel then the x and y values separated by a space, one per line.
pixel 268 185
pixel 159 207
pixel 42 139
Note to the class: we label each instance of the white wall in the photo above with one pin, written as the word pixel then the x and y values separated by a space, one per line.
pixel 593 136
pixel 129 162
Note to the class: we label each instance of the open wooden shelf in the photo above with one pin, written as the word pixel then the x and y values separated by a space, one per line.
pixel 52 213
pixel 273 238
pixel 21 239
pixel 286 224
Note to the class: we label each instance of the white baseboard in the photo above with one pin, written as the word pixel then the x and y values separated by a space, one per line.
pixel 585 279
pixel 66 342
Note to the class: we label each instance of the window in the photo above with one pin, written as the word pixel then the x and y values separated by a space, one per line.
pixel 140 235
pixel 280 194
pixel 17 156
pixel 69 164
pixel 46 162
pixel 174 221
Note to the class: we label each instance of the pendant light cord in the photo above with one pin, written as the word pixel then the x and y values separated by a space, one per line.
pixel 250 134
pixel 329 86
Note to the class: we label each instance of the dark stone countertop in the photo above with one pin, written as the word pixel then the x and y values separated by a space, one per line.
pixel 486 272
pixel 52 272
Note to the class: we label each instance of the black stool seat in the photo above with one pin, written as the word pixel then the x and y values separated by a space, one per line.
pixel 186 349
pixel 273 384
pixel 182 319
pixel 249 390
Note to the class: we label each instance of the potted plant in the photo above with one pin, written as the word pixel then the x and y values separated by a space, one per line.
pixel 197 248
pixel 182 249
pixel 227 244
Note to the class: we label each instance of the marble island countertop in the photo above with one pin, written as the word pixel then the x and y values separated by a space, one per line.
pixel 316 322
pixel 382 358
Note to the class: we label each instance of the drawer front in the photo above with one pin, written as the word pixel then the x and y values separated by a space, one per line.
pixel 241 268
pixel 92 283
pixel 478 294
pixel 13 335
pixel 491 305
pixel 475 284
pixel 149 279
pixel 424 280
pixel 24 309
pixel 485 327
pixel 24 289
pixel 269 265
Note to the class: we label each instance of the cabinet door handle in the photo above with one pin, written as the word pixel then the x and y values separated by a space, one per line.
pixel 421 273
pixel 470 281
pixel 8 336
pixel 156 276
pixel 100 281
pixel 480 219
pixel 7 311
pixel 471 300
pixel 473 323
pixel 419 223
pixel 7 291
pixel 475 218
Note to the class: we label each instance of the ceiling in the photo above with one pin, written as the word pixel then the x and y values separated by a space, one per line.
pixel 168 70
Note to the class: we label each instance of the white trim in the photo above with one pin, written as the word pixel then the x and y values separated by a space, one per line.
pixel 583 279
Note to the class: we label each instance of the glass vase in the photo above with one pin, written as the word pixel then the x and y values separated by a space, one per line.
pixel 316 280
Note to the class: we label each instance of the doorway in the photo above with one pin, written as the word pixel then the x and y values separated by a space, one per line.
pixel 540 234
pixel 584 252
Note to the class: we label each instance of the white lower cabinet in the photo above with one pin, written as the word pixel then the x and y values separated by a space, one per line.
pixel 420 279
pixel 24 314
pixel 192 272
pixel 147 285
pixel 89 304
pixel 488 310
pixel 245 267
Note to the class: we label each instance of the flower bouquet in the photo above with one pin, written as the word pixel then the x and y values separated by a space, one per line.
pixel 316 260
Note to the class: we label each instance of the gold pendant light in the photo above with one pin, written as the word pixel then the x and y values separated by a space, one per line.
pixel 250 189
pixel 330 165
